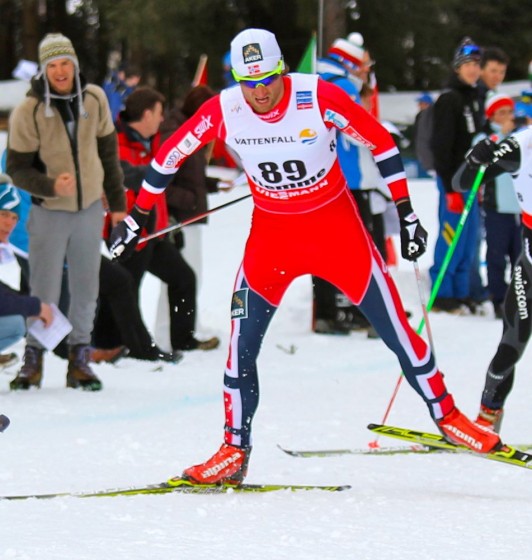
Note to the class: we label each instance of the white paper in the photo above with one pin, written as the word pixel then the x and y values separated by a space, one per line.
pixel 54 333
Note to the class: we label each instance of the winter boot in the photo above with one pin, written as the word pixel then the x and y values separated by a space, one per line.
pixel 30 374
pixel 457 428
pixel 195 344
pixel 228 465
pixel 208 344
pixel 109 355
pixel 490 418
pixel 7 360
pixel 79 373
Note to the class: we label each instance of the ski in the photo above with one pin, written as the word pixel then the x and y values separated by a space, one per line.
pixel 415 448
pixel 507 454
pixel 181 486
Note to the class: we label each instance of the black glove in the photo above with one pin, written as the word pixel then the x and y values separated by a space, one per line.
pixel 413 235
pixel 482 153
pixel 125 235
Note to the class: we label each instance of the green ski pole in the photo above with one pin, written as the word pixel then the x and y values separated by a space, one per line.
pixel 439 278
pixel 456 237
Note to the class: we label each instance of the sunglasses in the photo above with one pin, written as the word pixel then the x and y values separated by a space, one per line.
pixel 468 50
pixel 264 80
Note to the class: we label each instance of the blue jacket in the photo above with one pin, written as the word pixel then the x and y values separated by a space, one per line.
pixel 13 303
pixel 117 92
pixel 331 70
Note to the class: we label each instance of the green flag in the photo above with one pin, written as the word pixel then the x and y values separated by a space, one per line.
pixel 307 64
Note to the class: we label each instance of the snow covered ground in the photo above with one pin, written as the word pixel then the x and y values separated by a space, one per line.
pixel 147 425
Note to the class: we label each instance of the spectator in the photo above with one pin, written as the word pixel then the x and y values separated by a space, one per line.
pixel 523 109
pixel 226 70
pixel 19 240
pixel 14 307
pixel 423 125
pixel 457 118
pixel 62 149
pixel 333 313
pixel 373 183
pixel 364 74
pixel 119 85
pixel 186 196
pixel 119 320
pixel 501 207
pixel 139 140
pixel 493 65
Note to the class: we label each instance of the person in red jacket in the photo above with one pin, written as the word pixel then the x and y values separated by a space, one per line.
pixel 138 142
pixel 283 128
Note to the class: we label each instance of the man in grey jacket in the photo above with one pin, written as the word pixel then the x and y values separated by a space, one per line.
pixel 62 149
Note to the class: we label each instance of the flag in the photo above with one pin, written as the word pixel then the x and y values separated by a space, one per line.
pixel 200 78
pixel 307 64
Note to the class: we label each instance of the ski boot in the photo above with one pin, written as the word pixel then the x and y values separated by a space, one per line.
pixel 457 428
pixel 490 418
pixel 228 465
pixel 79 373
pixel 30 374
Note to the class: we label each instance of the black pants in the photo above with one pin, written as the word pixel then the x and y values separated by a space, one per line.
pixel 329 302
pixel 118 319
pixel 517 315
pixel 165 261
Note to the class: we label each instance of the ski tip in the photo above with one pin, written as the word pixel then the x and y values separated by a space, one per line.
pixel 287 451
pixel 373 426
pixel 177 481
pixel 4 422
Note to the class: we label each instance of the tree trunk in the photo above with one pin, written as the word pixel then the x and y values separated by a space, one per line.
pixel 30 29
pixel 334 24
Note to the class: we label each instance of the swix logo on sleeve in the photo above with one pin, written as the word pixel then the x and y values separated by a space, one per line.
pixel 203 126
pixel 339 121
pixel 251 53
pixel 188 144
pixel 239 304
pixel 304 100
pixel 172 159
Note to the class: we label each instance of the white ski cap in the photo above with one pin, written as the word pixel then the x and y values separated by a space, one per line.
pixel 255 51
pixel 345 50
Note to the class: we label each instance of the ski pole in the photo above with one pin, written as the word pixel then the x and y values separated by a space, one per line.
pixel 424 307
pixel 439 279
pixel 191 220
pixel 456 237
